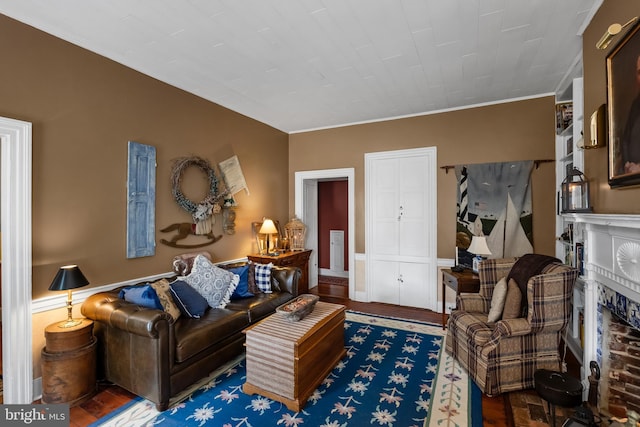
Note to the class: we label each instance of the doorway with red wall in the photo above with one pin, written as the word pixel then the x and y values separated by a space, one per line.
pixel 332 215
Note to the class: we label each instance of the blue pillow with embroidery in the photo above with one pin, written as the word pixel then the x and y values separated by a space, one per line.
pixel 143 295
pixel 189 301
pixel 242 290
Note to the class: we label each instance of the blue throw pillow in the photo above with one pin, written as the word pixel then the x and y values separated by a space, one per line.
pixel 143 295
pixel 188 300
pixel 242 290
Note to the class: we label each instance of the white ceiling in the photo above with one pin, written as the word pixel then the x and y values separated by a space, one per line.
pixel 308 64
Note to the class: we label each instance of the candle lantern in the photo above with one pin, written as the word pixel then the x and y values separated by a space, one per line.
pixel 296 232
pixel 575 193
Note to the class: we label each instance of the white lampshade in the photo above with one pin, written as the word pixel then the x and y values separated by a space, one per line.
pixel 479 246
pixel 268 227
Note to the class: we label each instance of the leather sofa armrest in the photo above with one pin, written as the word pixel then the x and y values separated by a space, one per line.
pixel 287 278
pixel 114 312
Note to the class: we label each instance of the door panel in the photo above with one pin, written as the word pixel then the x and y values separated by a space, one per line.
pixel 401 229
pixel 384 282
pixel 413 284
pixel 336 250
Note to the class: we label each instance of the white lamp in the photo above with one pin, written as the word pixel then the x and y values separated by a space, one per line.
pixel 268 228
pixel 478 247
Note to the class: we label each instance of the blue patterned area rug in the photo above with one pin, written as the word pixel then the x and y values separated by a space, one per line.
pixel 395 373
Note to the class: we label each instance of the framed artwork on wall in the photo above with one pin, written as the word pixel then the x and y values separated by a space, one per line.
pixel 623 110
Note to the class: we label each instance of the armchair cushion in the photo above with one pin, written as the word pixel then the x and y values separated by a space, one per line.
pixel 497 301
pixel 513 301
pixel 526 267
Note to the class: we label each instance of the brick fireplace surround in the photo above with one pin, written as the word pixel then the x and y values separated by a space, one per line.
pixel 620 384
pixel 611 284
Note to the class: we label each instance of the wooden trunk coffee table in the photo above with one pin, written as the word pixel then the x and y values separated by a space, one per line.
pixel 287 361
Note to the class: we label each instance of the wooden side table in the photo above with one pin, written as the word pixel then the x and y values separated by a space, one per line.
pixel 461 282
pixel 69 363
pixel 298 259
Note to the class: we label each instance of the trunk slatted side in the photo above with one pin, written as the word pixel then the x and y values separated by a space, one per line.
pixel 290 359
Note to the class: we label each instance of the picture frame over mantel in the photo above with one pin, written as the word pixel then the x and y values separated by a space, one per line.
pixel 623 110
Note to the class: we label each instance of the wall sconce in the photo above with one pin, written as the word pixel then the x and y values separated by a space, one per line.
pixel 68 277
pixel 612 31
pixel 598 129
pixel 479 248
pixel 575 193
pixel 269 229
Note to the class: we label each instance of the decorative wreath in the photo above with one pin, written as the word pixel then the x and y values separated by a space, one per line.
pixel 203 210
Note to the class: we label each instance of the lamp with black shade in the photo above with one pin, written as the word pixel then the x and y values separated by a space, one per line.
pixel 69 277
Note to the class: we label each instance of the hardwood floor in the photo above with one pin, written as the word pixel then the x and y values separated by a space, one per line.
pixel 110 397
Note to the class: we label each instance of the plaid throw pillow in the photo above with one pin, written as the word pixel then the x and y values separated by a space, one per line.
pixel 263 277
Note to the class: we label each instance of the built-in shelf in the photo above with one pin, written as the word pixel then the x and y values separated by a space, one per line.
pixel 568 131
pixel 569 247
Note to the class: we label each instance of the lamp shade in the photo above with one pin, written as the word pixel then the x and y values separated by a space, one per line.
pixel 479 246
pixel 268 227
pixel 68 277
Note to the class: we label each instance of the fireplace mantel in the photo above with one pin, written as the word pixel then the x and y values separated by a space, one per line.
pixel 611 268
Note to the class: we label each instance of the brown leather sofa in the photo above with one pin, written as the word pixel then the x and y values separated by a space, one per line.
pixel 144 351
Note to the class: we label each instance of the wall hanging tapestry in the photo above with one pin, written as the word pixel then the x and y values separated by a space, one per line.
pixel 494 200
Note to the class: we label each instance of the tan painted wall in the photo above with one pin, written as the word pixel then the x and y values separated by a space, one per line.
pixel 604 199
pixel 522 130
pixel 84 108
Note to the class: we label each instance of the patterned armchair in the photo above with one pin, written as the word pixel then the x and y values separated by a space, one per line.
pixel 503 356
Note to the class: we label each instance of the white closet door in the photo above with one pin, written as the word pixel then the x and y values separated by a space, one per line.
pixel 401 239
